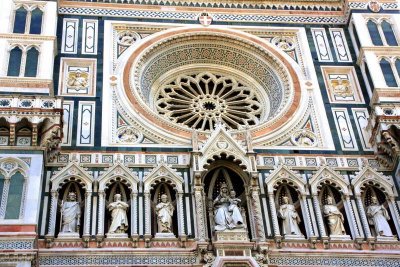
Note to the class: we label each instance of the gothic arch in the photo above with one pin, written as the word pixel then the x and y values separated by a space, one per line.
pixel 326 175
pixel 163 173
pixel 9 166
pixel 281 175
pixel 72 172
pixel 369 177
pixel 119 173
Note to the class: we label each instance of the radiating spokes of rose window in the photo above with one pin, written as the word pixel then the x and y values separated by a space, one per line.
pixel 200 100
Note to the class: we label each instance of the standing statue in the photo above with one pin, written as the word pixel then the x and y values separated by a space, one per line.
pixel 226 210
pixel 70 214
pixel 334 218
pixel 119 223
pixel 164 211
pixel 378 217
pixel 290 218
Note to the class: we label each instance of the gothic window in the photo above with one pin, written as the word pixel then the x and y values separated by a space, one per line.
pixel 20 20
pixel 15 196
pixel 374 33
pixel 14 63
pixel 32 57
pixel 36 21
pixel 22 62
pixel 388 73
pixel 388 33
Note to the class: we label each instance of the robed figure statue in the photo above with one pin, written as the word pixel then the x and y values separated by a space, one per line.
pixel 334 218
pixel 290 218
pixel 164 211
pixel 70 214
pixel 378 217
pixel 119 222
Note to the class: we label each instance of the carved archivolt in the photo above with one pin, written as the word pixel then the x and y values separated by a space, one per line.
pixel 369 177
pixel 72 173
pixel 163 174
pixel 283 175
pixel 9 166
pixel 327 176
pixel 118 173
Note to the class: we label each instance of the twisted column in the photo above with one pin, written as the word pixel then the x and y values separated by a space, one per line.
pixel 100 218
pixel 318 212
pixel 88 205
pixel 274 215
pixel 53 213
pixel 200 211
pixel 363 216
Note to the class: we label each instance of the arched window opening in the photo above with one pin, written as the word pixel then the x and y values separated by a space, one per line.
pixel 31 66
pixel 20 20
pixel 36 21
pixel 14 63
pixel 15 196
pixel 24 137
pixel 397 64
pixel 4 132
pixel 374 33
pixel 388 73
pixel 389 34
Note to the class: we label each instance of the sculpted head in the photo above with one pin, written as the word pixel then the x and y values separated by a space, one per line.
pixel 285 200
pixel 374 200
pixel 164 198
pixel 329 200
pixel 117 197
pixel 232 193
pixel 71 196
pixel 224 188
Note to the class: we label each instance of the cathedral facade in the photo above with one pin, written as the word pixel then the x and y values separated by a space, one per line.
pixel 199 133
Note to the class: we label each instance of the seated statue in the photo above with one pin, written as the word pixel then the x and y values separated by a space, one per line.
pixel 227 213
pixel 334 218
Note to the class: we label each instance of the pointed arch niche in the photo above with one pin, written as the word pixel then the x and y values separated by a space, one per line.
pixel 163 179
pixel 367 184
pixel 72 178
pixel 283 182
pixel 225 171
pixel 117 180
pixel 327 183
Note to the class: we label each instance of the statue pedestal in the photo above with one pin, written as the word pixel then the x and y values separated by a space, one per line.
pixel 68 236
pixel 232 243
pixel 117 235
pixel 165 235
pixel 386 239
pixel 339 237
pixel 293 237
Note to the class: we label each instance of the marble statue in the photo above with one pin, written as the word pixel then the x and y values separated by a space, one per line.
pixel 378 217
pixel 334 218
pixel 164 211
pixel 70 214
pixel 290 218
pixel 226 210
pixel 118 208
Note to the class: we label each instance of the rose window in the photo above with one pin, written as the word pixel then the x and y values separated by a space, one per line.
pixel 200 100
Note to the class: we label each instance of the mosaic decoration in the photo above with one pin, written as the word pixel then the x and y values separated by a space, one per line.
pixel 77 77
pixel 16 244
pixel 69 43
pixel 333 261
pixel 342 85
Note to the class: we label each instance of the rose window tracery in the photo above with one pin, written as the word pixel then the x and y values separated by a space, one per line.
pixel 200 100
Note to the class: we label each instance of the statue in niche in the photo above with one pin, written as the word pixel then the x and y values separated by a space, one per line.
pixel 290 218
pixel 227 213
pixel 378 217
pixel 334 218
pixel 164 211
pixel 118 208
pixel 70 214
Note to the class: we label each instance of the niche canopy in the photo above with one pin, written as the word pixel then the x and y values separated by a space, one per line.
pixel 191 78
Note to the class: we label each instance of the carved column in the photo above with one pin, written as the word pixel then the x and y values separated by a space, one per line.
pixel 4 197
pixel 307 216
pixel 200 213
pixel 274 215
pixel 181 218
pixel 134 230
pixel 255 195
pixel 53 213
pixel 363 215
pixel 100 218
pixel 320 218
pixel 147 214
pixel 88 206
pixel 395 214
pixel 352 219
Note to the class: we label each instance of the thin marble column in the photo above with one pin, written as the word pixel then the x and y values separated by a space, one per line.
pixel 181 218
pixel 147 213
pixel 100 219
pixel 306 215
pixel 200 220
pixel 274 215
pixel 4 197
pixel 53 213
pixel 364 219
pixel 352 219
pixel 320 218
pixel 88 206
pixel 134 230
